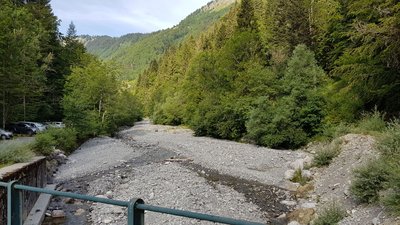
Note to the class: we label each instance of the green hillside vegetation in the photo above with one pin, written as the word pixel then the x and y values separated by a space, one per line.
pixel 280 73
pixel 134 52
pixel 105 46
pixel 46 76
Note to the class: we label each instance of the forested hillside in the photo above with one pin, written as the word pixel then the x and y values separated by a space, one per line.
pixel 279 73
pixel 134 52
pixel 47 76
pixel 105 46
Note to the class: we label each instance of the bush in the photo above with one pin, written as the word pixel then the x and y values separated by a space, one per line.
pixel 369 180
pixel 333 131
pixel 389 143
pixel 392 197
pixel 44 144
pixel 325 156
pixel 299 178
pixel 15 152
pixel 276 125
pixel 330 215
pixel 64 139
pixel 389 146
pixel 371 123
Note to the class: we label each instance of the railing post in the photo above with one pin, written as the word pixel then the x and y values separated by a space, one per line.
pixel 135 215
pixel 14 205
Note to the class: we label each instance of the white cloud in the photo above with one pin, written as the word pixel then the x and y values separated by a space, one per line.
pixel 119 17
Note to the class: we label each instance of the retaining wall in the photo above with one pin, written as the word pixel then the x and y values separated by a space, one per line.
pixel 32 173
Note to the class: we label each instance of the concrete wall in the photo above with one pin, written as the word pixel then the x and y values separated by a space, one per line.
pixel 32 173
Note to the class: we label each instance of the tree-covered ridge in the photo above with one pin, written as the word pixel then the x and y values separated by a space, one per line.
pixel 279 72
pixel 105 46
pixel 134 52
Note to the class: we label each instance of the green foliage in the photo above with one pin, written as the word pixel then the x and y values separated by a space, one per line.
pixel 369 180
pixel 133 53
pixel 333 131
pixel 324 156
pixel 332 214
pixel 15 152
pixel 289 121
pixel 370 65
pixel 389 143
pixel 44 144
pixel 371 123
pixel 94 102
pixel 65 139
pixel 299 178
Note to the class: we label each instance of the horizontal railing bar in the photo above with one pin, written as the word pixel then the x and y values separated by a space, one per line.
pixel 194 215
pixel 73 195
pixel 176 212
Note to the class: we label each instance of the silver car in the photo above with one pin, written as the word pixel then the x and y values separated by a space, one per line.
pixel 5 134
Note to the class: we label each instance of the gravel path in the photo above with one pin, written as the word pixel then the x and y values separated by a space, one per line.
pixel 169 167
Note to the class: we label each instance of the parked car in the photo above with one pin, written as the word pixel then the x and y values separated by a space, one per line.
pixel 56 124
pixel 21 128
pixel 37 126
pixel 5 134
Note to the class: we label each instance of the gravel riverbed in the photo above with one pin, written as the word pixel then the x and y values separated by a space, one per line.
pixel 169 167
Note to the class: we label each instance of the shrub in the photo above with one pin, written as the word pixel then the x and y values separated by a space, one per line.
pixel 369 180
pixel 389 143
pixel 330 215
pixel 325 156
pixel 371 123
pixel 392 197
pixel 299 178
pixel 333 131
pixel 44 144
pixel 389 146
pixel 15 152
pixel 64 139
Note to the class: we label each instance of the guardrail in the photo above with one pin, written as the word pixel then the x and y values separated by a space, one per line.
pixel 136 207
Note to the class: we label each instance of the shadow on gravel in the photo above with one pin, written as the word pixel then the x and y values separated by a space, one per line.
pixel 266 197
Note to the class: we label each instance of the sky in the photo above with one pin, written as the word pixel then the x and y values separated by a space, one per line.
pixel 119 17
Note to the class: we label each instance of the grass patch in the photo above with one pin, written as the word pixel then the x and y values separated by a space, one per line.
pixel 371 123
pixel 327 154
pixel 379 180
pixel 15 152
pixel 299 178
pixel 330 215
pixel 334 131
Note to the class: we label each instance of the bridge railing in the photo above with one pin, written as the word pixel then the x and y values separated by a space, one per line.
pixel 136 207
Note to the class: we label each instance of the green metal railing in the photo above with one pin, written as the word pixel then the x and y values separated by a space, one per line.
pixel 135 207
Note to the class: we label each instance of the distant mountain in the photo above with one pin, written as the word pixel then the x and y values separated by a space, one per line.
pixel 134 52
pixel 104 46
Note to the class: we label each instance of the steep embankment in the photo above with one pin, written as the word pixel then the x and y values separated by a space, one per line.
pixel 134 52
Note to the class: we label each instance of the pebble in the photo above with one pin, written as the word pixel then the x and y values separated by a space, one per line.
pixel 58 214
pixel 309 205
pixel 79 212
pixel 288 203
pixel 107 221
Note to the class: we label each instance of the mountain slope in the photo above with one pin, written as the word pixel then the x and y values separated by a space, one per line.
pixel 105 46
pixel 134 52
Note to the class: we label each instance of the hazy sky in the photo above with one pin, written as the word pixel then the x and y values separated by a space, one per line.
pixel 119 17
